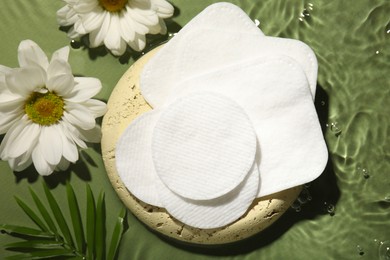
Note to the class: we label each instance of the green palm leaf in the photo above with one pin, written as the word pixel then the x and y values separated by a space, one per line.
pixel 117 234
pixel 100 227
pixel 45 214
pixel 58 215
pixel 76 218
pixel 34 244
pixel 49 253
pixel 25 231
pixel 47 242
pixel 29 212
pixel 91 222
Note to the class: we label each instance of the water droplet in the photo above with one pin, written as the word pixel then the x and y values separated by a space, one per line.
pixel 257 22
pixel 304 196
pixel 330 208
pixel 360 250
pixel 75 44
pixel 306 12
pixel 334 128
pixel 377 52
pixel 384 250
pixel 363 171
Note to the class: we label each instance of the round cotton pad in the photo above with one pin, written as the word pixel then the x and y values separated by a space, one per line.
pixel 216 212
pixel 203 146
pixel 134 159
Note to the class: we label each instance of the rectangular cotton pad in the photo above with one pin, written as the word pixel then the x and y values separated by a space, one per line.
pixel 158 73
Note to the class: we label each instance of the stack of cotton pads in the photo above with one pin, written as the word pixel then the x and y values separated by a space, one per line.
pixel 227 126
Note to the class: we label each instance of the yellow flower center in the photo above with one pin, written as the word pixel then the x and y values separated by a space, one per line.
pixel 44 109
pixel 113 5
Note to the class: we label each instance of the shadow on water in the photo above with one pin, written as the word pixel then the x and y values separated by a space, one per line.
pixel 323 191
pixel 79 169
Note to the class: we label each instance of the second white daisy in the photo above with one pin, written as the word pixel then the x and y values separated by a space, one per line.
pixel 45 112
pixel 115 23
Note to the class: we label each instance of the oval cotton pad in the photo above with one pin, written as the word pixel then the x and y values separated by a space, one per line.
pixel 217 212
pixel 158 72
pixel 203 146
pixel 274 92
pixel 134 160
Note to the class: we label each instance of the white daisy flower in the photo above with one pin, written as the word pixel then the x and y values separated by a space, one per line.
pixel 115 23
pixel 45 112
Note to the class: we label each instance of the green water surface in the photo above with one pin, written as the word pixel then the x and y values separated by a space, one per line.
pixel 345 214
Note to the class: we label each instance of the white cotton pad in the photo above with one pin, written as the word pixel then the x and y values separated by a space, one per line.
pixel 203 146
pixel 275 95
pixel 134 160
pixel 158 73
pixel 207 51
pixel 213 213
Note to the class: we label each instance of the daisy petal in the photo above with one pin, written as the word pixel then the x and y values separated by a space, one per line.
pixel 92 20
pixel 20 163
pixel 72 134
pixel 63 16
pixel 7 120
pixel 97 107
pixel 10 137
pixel 61 84
pixel 73 34
pixel 84 89
pixel 146 17
pixel 164 9
pixel 24 141
pixel 79 28
pixel 63 165
pixel 79 116
pixel 61 54
pixel 126 29
pixel 30 54
pixel 96 37
pixel 69 148
pixel 58 67
pixel 93 135
pixel 10 102
pixel 41 165
pixel 23 81
pixel 51 144
pixel 160 27
pixel 139 42
pixel 137 27
pixel 85 6
pixel 4 69
pixel 113 40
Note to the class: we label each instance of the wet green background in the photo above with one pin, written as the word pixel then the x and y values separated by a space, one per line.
pixel 348 216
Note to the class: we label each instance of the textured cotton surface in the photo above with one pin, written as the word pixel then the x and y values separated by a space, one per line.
pixel 203 146
pixel 275 94
pixel 205 51
pixel 216 212
pixel 134 161
pixel 158 73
